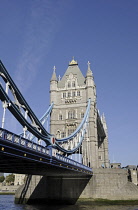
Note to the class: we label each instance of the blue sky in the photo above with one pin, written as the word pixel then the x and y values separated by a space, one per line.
pixel 35 35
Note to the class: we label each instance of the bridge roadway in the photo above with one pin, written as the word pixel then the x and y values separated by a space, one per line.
pixel 20 155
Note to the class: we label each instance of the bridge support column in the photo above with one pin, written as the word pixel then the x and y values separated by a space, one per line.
pixel 54 189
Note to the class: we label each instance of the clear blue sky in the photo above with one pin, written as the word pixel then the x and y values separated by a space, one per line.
pixel 35 35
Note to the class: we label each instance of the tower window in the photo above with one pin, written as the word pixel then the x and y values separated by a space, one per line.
pixel 63 134
pixel 64 95
pixel 60 117
pixel 71 114
pixel 69 84
pixel 69 94
pixel 100 157
pixel 82 114
pixel 58 134
pixel 70 131
pixel 73 93
pixel 73 84
pixel 78 93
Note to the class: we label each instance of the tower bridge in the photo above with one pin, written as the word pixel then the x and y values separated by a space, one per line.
pixel 76 144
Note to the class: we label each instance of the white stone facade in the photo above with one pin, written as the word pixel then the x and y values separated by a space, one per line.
pixel 19 179
pixel 70 95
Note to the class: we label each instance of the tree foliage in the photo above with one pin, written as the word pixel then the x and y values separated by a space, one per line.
pixel 10 178
pixel 2 178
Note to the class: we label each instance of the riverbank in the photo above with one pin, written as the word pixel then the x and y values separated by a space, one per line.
pixel 100 202
pixel 7 193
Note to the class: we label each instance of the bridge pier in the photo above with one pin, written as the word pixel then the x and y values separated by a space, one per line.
pixel 105 183
pixel 51 189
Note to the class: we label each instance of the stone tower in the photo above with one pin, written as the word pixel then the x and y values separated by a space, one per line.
pixel 70 95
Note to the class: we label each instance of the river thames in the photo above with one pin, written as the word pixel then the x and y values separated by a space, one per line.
pixel 7 203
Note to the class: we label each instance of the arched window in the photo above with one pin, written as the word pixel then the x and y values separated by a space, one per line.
pixel 71 114
pixel 70 131
pixel 82 114
pixel 58 134
pixel 73 93
pixel 69 84
pixel 78 93
pixel 69 94
pixel 73 83
pixel 64 95
pixel 63 134
pixel 60 117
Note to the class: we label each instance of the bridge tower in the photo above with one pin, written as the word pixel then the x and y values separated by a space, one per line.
pixel 70 95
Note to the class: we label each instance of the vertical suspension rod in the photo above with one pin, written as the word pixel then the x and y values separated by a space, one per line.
pixel 5 106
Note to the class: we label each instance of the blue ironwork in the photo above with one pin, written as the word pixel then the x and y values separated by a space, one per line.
pixel 43 119
pixel 79 131
pixel 36 127
pixel 45 152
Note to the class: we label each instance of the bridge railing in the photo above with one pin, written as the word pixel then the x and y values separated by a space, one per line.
pixel 73 162
pixel 48 151
pixel 21 141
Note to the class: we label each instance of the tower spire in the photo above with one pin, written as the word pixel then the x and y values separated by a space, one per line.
pixel 54 76
pixel 89 72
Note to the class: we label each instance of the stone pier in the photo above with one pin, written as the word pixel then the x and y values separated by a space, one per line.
pixel 109 184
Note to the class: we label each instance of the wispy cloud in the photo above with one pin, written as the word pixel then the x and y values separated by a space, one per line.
pixel 41 28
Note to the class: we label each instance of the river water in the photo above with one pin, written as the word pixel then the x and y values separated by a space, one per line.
pixel 7 203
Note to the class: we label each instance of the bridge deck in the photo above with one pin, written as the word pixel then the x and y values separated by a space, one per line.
pixel 19 155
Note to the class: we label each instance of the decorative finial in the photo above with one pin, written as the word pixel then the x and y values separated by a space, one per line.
pixel 88 65
pixel 54 68
pixel 59 78
pixel 73 62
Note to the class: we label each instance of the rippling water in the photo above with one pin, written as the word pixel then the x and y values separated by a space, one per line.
pixel 7 203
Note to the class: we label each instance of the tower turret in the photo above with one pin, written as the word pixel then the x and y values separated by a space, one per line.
pixel 90 85
pixel 53 86
pixel 105 143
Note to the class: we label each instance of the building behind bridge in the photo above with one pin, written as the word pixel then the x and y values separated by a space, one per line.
pixel 70 95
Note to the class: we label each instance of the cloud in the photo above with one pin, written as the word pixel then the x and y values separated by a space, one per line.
pixel 43 22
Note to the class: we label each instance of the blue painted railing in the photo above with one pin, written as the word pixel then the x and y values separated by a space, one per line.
pixel 5 135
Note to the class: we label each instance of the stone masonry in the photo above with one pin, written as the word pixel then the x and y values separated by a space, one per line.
pixel 70 95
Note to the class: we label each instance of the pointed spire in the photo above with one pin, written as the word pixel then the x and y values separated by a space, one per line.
pixel 54 77
pixel 103 121
pixel 89 72
pixel 59 78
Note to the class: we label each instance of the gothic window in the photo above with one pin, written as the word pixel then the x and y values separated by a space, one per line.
pixel 73 93
pixel 78 93
pixel 60 117
pixel 70 131
pixel 63 134
pixel 58 134
pixel 64 95
pixel 69 94
pixel 69 84
pixel 71 114
pixel 73 83
pixel 82 114
pixel 100 157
